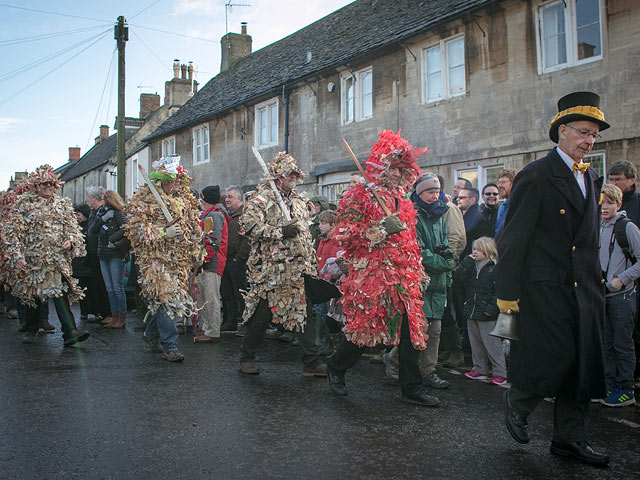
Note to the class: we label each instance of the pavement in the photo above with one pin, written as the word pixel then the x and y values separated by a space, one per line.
pixel 111 409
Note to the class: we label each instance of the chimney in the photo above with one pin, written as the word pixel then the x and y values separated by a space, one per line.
pixel 104 132
pixel 74 154
pixel 234 47
pixel 149 102
pixel 179 89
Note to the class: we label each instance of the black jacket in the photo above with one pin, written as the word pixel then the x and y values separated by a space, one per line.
pixel 548 259
pixel 479 290
pixel 109 232
pixel 490 214
pixel 631 205
pixel 476 226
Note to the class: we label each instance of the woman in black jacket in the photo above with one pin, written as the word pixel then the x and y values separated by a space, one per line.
pixel 481 311
pixel 112 252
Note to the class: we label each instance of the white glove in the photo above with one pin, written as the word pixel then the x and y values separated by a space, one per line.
pixel 173 231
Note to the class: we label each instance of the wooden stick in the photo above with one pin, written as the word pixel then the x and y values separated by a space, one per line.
pixel 272 184
pixel 383 205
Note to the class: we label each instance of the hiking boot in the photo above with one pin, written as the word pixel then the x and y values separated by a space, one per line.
pixel 249 368
pixel 77 336
pixel 173 356
pixel 153 344
pixel 391 370
pixel 419 397
pixel 319 370
pixel 433 380
pixel 13 313
pixel 46 326
pixel 336 383
pixel 619 398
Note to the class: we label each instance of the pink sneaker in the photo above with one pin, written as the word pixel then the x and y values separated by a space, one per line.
pixel 498 380
pixel 475 375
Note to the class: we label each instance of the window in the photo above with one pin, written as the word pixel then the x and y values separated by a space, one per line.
pixel 266 124
pixel 169 146
pixel 134 174
pixel 334 191
pixel 200 144
pixel 479 176
pixel 598 162
pixel 357 96
pixel 444 72
pixel 569 33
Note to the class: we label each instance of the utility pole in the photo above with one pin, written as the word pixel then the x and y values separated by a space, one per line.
pixel 121 34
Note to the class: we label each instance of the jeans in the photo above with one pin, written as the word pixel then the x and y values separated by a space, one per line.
pixel 63 310
pixel 161 327
pixel 619 351
pixel 113 275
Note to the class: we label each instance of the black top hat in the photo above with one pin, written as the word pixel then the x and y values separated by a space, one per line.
pixel 575 107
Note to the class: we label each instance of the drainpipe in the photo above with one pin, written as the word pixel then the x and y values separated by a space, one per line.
pixel 285 94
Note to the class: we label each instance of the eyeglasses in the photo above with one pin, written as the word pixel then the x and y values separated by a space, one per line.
pixel 47 184
pixel 585 133
pixel 491 194
pixel 462 198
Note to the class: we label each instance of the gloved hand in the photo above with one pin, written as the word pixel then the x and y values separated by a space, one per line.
pixel 173 231
pixel 108 216
pixel 505 306
pixel 392 224
pixel 290 231
pixel 444 251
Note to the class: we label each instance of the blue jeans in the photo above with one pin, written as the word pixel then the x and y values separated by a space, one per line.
pixel 619 351
pixel 113 275
pixel 161 327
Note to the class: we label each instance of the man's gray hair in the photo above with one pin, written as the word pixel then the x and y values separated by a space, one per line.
pixel 237 191
pixel 96 192
pixel 623 167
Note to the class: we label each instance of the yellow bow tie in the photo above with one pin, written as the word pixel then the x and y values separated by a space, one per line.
pixel 580 166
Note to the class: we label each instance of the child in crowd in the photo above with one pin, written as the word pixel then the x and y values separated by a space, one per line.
pixel 481 310
pixel 328 247
pixel 619 242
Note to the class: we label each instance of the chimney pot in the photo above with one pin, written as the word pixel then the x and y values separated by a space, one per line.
pixel 190 70
pixel 176 68
pixel 104 132
pixel 243 28
pixel 74 154
pixel 148 103
pixel 183 69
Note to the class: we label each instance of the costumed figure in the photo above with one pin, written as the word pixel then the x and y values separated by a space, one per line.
pixel 166 252
pixel 281 261
pixel 41 237
pixel 382 293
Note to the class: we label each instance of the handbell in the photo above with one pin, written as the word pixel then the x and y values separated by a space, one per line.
pixel 505 327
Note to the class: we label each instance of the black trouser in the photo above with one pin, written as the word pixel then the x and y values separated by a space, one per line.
pixel 65 316
pixel 257 325
pixel 234 279
pixel 570 416
pixel 96 290
pixel 348 353
pixel 22 312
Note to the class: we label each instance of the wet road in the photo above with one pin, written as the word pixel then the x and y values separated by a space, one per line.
pixel 111 409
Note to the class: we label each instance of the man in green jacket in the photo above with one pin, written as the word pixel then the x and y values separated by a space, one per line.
pixel 438 262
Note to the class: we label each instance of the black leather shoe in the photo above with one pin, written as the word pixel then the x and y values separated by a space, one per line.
pixel 419 397
pixel 581 451
pixel 77 336
pixel 516 424
pixel 336 383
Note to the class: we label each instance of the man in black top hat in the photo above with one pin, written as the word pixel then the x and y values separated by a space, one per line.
pixel 549 272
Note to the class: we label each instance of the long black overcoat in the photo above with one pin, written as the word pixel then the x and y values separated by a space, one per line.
pixel 548 259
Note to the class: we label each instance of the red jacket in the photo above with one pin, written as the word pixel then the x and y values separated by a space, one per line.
pixel 327 247
pixel 216 240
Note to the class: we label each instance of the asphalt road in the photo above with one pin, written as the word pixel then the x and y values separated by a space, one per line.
pixel 111 409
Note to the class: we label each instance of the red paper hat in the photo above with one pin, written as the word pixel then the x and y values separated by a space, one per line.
pixel 393 151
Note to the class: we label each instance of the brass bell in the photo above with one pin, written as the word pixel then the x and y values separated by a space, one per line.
pixel 505 327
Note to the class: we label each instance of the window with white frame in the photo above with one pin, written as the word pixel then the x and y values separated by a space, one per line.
pixel 444 74
pixel 134 174
pixel 569 33
pixel 200 141
pixel 169 146
pixel 266 124
pixel 598 162
pixel 479 176
pixel 357 96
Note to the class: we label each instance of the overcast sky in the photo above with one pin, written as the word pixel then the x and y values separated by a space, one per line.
pixel 56 65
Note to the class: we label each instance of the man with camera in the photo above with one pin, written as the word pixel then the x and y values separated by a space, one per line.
pixel 438 262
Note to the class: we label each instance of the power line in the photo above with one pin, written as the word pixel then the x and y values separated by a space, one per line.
pixel 145 9
pixel 173 33
pixel 43 60
pixel 44 36
pixel 151 51
pixel 104 88
pixel 14 95
pixel 52 13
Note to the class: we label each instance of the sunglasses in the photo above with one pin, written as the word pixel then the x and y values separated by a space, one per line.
pixel 491 194
pixel 47 184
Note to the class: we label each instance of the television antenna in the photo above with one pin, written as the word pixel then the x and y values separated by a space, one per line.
pixel 228 7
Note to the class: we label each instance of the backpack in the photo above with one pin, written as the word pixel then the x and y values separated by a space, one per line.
pixel 620 236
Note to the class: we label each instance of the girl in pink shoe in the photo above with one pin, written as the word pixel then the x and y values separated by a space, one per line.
pixel 480 308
